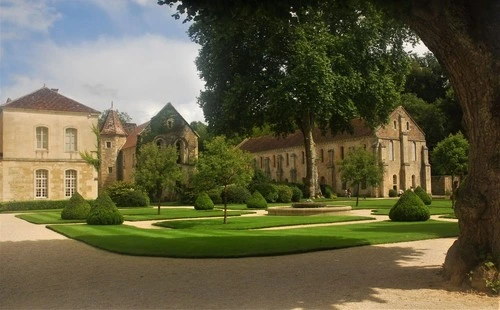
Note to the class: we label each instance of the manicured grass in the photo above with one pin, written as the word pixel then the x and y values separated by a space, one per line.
pixel 194 243
pixel 131 214
pixel 242 223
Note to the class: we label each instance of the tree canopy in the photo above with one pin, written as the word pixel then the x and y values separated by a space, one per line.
pixel 222 164
pixel 450 156
pixel 157 169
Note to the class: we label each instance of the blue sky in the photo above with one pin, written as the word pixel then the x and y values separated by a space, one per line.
pixel 129 52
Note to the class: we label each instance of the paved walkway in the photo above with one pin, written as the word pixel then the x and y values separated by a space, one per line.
pixel 47 271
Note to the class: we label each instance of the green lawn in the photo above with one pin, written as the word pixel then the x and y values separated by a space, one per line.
pixel 131 214
pixel 197 243
pixel 242 223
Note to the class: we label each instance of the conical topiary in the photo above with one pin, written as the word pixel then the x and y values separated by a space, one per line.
pixel 104 212
pixel 203 202
pixel 76 209
pixel 257 201
pixel 426 198
pixel 409 208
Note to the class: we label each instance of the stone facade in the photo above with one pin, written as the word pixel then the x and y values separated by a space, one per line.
pixel 119 146
pixel 41 137
pixel 400 146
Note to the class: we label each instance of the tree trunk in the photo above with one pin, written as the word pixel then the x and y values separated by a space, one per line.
pixel 311 182
pixel 225 204
pixel 465 37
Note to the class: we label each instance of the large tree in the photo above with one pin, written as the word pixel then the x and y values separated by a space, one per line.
pixel 321 69
pixel 465 38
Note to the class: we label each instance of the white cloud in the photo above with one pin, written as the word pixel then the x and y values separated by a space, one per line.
pixel 19 17
pixel 138 74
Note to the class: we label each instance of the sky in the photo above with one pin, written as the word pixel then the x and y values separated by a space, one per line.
pixel 131 53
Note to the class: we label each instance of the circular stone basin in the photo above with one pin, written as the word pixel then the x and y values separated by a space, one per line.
pixel 306 211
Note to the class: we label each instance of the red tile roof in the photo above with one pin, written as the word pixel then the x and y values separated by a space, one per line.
pixel 112 125
pixel 132 137
pixel 266 143
pixel 48 100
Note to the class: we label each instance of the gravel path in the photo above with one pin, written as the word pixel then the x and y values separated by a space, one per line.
pixel 47 271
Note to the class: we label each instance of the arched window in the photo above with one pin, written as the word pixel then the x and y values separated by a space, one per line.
pixel 160 143
pixel 69 183
pixel 179 145
pixel 395 182
pixel 42 138
pixel 70 140
pixel 41 183
pixel 414 151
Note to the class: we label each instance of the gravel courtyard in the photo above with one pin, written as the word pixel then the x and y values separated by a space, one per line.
pixel 40 269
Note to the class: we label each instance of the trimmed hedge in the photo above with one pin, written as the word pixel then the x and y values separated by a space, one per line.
pixel 215 195
pixel 426 198
pixel 203 202
pixel 285 193
pixel 104 212
pixel 257 201
pixel 76 209
pixel 409 208
pixel 393 193
pixel 326 190
pixel 268 191
pixel 33 205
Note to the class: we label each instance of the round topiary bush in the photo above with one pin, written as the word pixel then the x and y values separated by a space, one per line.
pixel 257 201
pixel 285 193
pixel 409 208
pixel 268 191
pixel 76 209
pixel 296 193
pixel 203 202
pixel 393 193
pixel 426 198
pixel 104 212
pixel 237 194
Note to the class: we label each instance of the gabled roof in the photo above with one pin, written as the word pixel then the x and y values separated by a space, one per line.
pixel 266 143
pixel 48 100
pixel 112 125
pixel 171 107
pixel 132 137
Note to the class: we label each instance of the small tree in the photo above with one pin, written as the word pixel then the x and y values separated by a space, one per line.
pixel 222 164
pixel 157 169
pixel 360 166
pixel 450 156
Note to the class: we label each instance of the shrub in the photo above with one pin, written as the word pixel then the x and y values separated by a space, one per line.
pixel 237 194
pixel 76 209
pixel 215 195
pixel 257 201
pixel 259 177
pixel 125 194
pixel 203 202
pixel 285 193
pixel 426 198
pixel 296 193
pixel 326 190
pixel 104 212
pixel 268 191
pixel 409 208
pixel 393 193
pixel 33 205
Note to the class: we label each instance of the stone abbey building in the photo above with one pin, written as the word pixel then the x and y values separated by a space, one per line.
pixel 400 146
pixel 42 135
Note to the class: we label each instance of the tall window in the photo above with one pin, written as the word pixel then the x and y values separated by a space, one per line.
pixel 395 182
pixel 69 183
pixel 342 152
pixel 414 151
pixel 41 183
pixel 42 138
pixel 391 150
pixel 70 140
